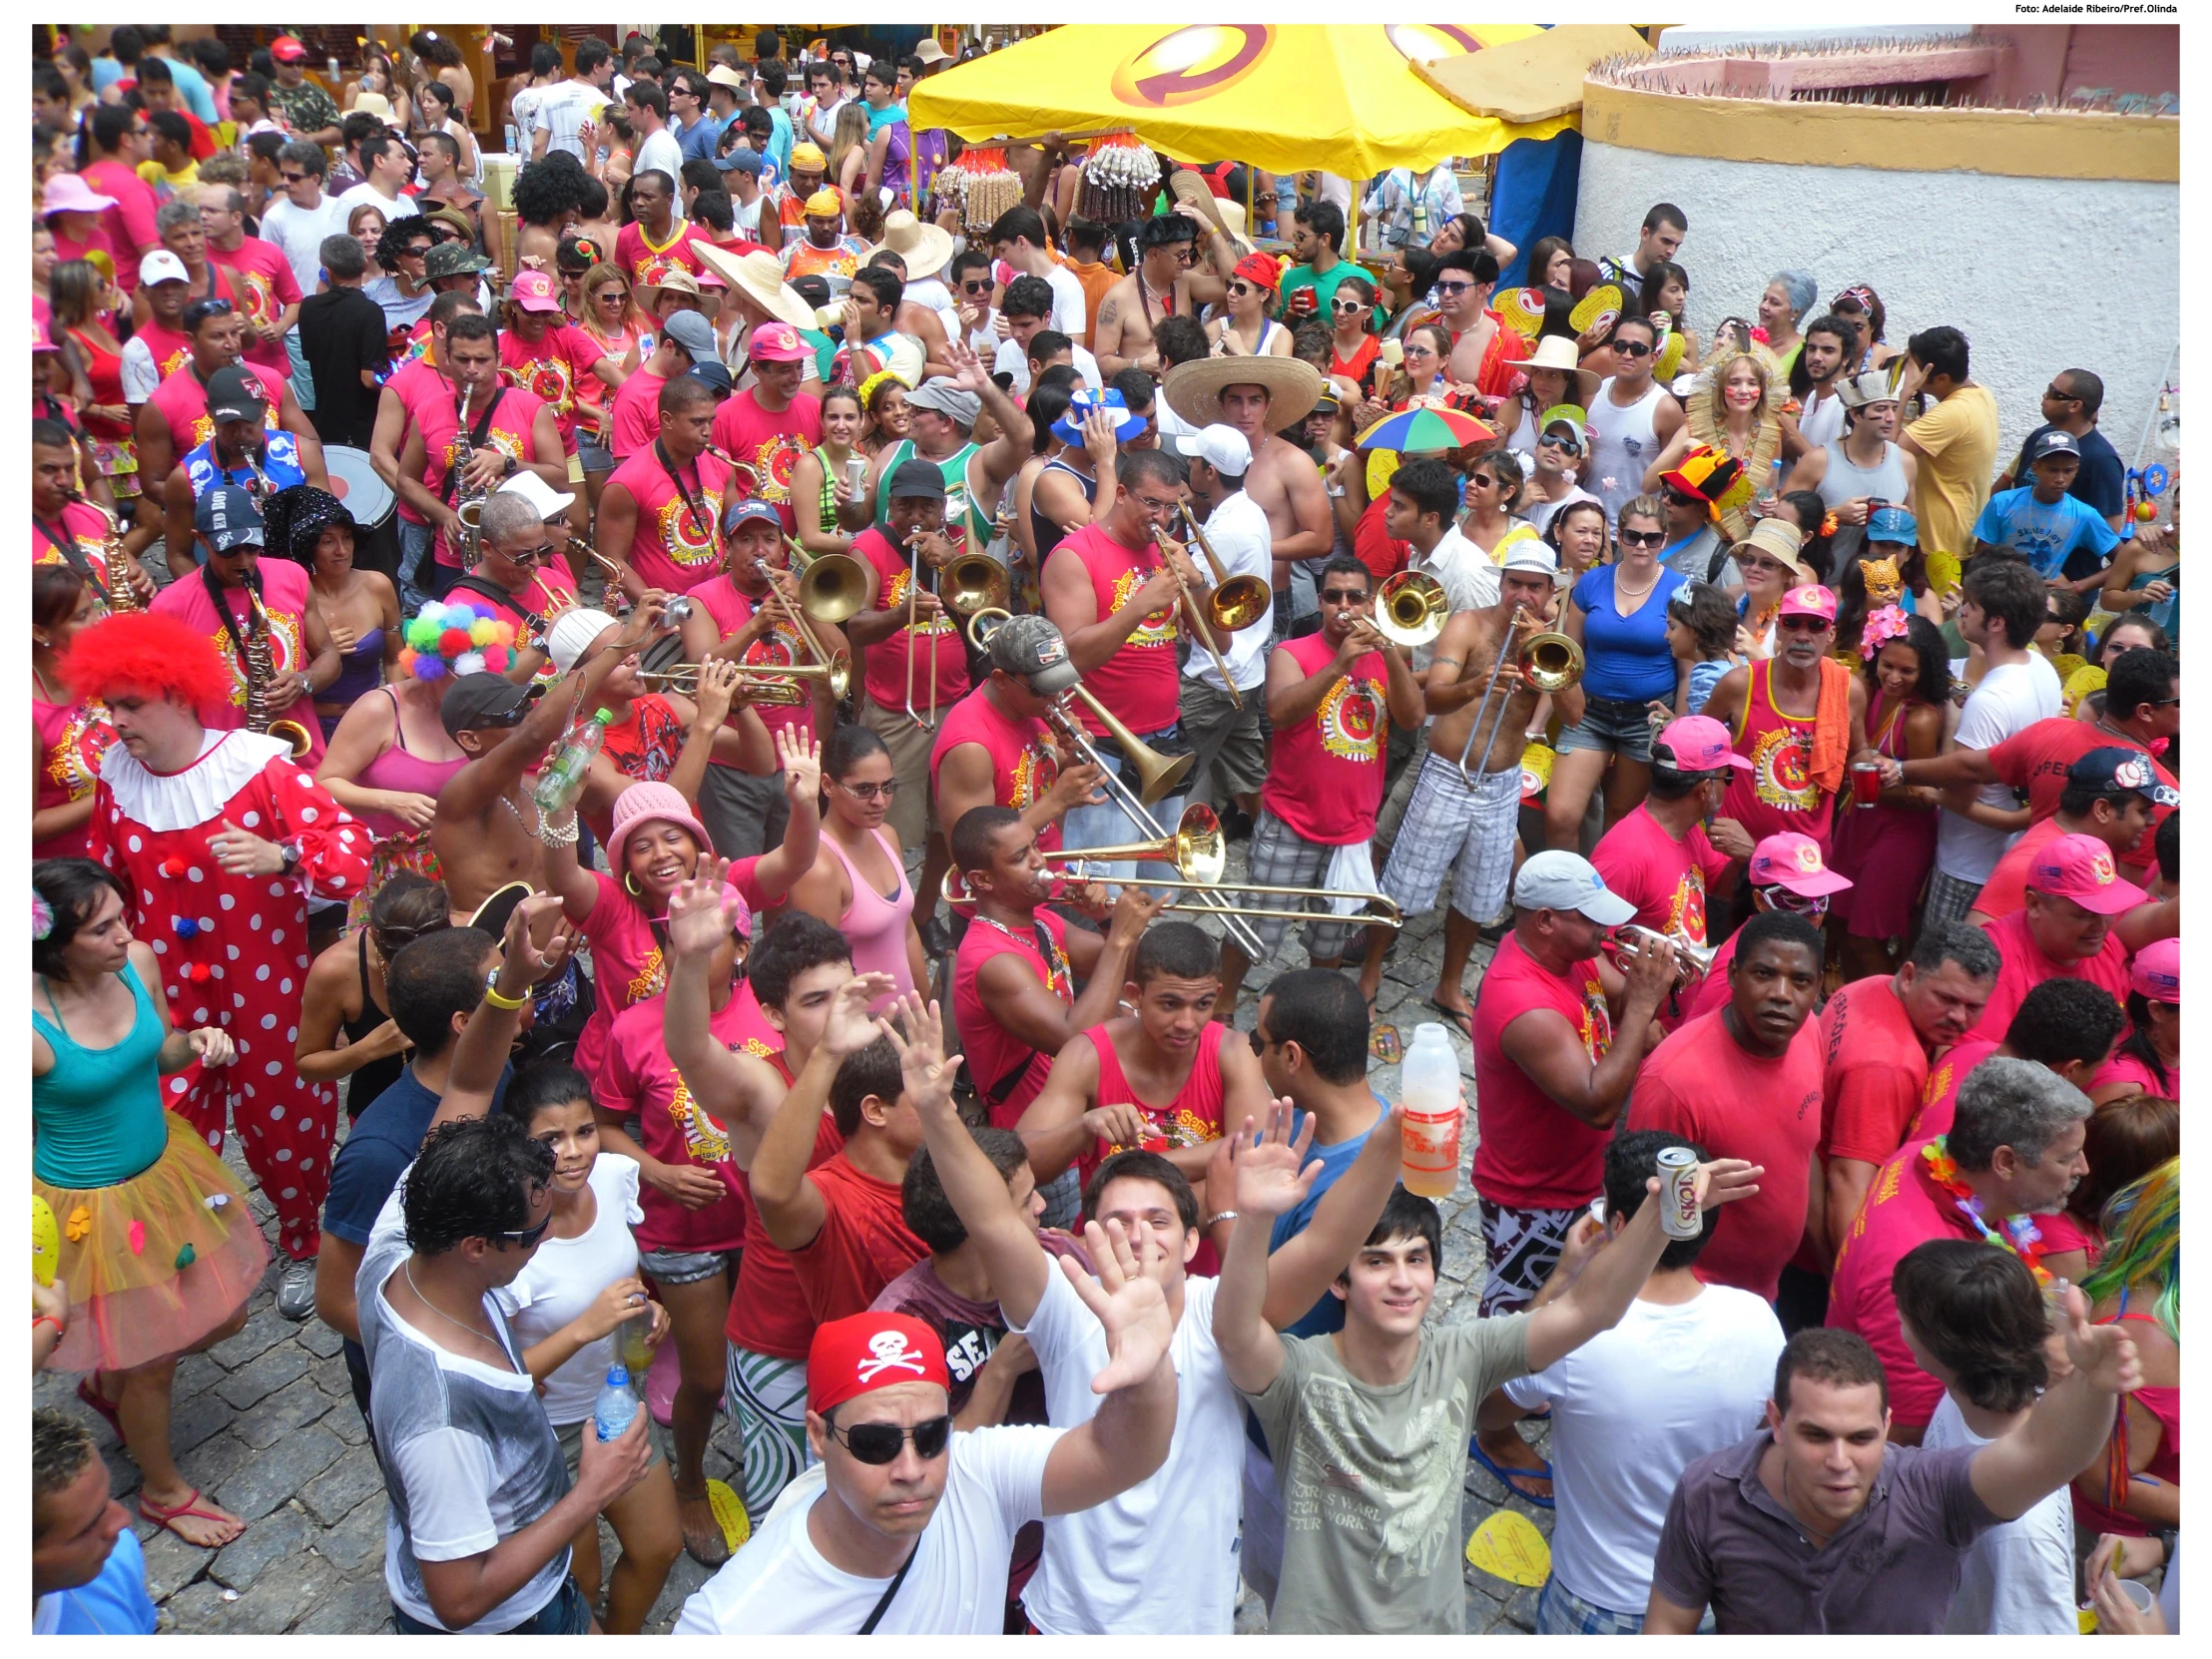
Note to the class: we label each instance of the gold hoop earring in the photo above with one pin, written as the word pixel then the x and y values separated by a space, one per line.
pixel 630 885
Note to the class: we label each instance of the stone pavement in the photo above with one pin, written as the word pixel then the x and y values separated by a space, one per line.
pixel 266 1423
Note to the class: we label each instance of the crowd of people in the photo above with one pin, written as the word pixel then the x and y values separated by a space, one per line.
pixel 577 740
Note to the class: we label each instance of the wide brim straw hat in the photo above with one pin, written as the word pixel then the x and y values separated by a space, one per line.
pixel 760 277
pixel 1194 389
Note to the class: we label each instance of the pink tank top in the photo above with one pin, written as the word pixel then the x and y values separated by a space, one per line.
pixel 401 772
pixel 875 926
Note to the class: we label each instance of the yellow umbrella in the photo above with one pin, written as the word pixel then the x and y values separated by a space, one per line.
pixel 1283 97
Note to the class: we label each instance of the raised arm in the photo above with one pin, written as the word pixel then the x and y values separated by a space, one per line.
pixel 1268 1182
pixel 799 757
pixel 1127 1440
pixel 481 1053
pixel 1300 1274
pixel 789 1206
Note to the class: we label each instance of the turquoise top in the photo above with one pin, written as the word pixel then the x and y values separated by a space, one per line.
pixel 97 1116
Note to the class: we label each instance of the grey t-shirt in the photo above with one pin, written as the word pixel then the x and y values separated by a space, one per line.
pixel 1370 1478
pixel 469 1457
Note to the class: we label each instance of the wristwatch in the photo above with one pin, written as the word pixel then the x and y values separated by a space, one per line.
pixel 506 466
pixel 289 850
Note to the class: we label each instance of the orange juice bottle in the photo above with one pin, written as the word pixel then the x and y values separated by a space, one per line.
pixel 1429 1147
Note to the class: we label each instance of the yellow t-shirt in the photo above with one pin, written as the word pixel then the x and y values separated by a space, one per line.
pixel 156 176
pixel 1958 443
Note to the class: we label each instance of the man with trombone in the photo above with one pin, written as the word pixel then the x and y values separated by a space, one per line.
pixel 1490 669
pixel 1219 710
pixel 995 749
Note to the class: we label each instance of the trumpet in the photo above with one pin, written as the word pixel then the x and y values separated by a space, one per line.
pixel 775 687
pixel 1199 622
pixel 1411 609
pixel 1237 602
pixel 1548 663
pixel 1692 961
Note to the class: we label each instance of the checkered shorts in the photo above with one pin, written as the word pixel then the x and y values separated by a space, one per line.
pixel 1445 822
pixel 1560 1612
pixel 1949 898
pixel 1279 856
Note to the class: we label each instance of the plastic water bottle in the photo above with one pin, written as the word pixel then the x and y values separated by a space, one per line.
pixel 562 782
pixel 1429 1148
pixel 616 1405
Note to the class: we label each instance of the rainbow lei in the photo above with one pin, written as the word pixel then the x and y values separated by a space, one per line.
pixel 2025 1240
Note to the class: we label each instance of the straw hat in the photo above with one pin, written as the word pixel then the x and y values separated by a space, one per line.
pixel 1187 185
pixel 373 103
pixel 1233 214
pixel 1193 390
pixel 1557 351
pixel 760 277
pixel 925 247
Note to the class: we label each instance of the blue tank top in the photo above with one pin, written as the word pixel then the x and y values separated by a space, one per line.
pixel 1625 657
pixel 97 1116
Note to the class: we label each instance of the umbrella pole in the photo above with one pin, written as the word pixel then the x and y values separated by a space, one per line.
pixel 1251 222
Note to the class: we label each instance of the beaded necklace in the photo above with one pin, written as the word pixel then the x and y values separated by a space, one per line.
pixel 2021 1234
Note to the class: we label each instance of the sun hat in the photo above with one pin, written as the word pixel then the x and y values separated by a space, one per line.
pixel 1557 351
pixel 1194 389
pixel 925 247
pixel 760 277
pixel 66 193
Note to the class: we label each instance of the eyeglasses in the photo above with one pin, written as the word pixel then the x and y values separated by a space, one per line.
pixel 1803 625
pixel 1186 255
pixel 1643 538
pixel 295 178
pixel 880 1442
pixel 870 792
pixel 2164 702
pixel 525 1238
pixel 542 554
pixel 1631 349
pixel 1448 290
pixel 1421 352
pixel 1798 904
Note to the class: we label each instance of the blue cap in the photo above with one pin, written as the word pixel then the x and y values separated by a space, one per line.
pixel 714 374
pixel 740 160
pixel 1893 524
pixel 745 512
pixel 227 517
pixel 1069 428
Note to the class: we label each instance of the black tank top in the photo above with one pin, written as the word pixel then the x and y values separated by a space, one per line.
pixel 378 1075
pixel 1042 529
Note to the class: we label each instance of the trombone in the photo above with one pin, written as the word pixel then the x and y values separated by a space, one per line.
pixel 777 686
pixel 1237 602
pixel 1198 619
pixel 1548 663
pixel 969 584
pixel 1411 609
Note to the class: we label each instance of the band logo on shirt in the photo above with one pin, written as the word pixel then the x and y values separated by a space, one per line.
pixel 73 763
pixel 1782 770
pixel 285 648
pixel 1350 717
pixel 546 380
pixel 1597 1021
pixel 1686 914
pixel 1157 626
pixel 650 980
pixel 895 599
pixel 689 537
pixel 704 1138
pixel 1034 774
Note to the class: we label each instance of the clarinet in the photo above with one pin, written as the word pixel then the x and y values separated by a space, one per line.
pixel 121 595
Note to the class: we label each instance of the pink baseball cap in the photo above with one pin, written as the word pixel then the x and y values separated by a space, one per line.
pixel 1699 743
pixel 39 339
pixel 533 292
pixel 1809 601
pixel 777 343
pixel 2156 972
pixel 2080 868
pixel 1792 860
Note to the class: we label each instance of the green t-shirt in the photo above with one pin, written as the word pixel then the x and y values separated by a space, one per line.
pixel 1325 288
pixel 1371 1480
pixel 825 349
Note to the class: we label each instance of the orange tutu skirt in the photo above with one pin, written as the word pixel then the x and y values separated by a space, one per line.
pixel 156 1262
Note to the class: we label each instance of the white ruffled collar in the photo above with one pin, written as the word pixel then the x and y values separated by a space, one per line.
pixel 162 802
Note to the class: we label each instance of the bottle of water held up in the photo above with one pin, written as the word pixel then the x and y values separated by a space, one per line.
pixel 1430 1088
pixel 562 781
pixel 616 1405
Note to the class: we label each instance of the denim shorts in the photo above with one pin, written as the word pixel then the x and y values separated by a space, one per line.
pixel 567 1614
pixel 597 458
pixel 1615 726
pixel 686 1267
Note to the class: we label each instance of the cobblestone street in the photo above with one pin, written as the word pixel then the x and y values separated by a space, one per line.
pixel 265 1425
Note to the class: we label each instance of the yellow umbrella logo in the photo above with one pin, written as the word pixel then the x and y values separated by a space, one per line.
pixel 1427 42
pixel 1185 65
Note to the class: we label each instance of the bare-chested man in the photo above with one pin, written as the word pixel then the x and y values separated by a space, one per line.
pixel 485 833
pixel 1271 394
pixel 1446 822
pixel 1165 284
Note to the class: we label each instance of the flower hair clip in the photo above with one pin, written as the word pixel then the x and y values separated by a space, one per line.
pixel 42 916
pixel 1883 626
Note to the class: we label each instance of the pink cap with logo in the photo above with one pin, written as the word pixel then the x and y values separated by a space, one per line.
pixel 2156 972
pixel 2080 868
pixel 533 292
pixel 1699 743
pixel 777 343
pixel 1809 601
pixel 1793 861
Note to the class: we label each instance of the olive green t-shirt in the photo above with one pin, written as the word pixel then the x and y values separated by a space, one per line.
pixel 1371 1480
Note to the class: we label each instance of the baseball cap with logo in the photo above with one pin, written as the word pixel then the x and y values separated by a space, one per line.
pixel 1032 649
pixel 2052 442
pixel 864 1351
pixel 2080 868
pixel 228 518
pixel 287 49
pixel 533 292
pixel 1813 601
pixel 1793 861
pixel 2156 972
pixel 160 266
pixel 1699 743
pixel 1893 524
pixel 1557 881
pixel 777 343
pixel 2115 771
pixel 755 511
pixel 233 394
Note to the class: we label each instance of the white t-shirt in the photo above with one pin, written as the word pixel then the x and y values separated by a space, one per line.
pixel 1013 358
pixel 661 152
pixel 398 206
pixel 298 234
pixel 1160 1559
pixel 926 290
pixel 1069 304
pixel 2019 1578
pixel 1468 574
pixel 2010 699
pixel 566 1275
pixel 778 1584
pixel 1631 1409
pixel 561 113
pixel 1242 536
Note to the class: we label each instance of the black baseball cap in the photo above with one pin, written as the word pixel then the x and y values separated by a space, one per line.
pixel 919 480
pixel 233 394
pixel 227 517
pixel 475 700
pixel 2114 772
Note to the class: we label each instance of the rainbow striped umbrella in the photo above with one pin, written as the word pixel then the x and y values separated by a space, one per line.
pixel 1423 427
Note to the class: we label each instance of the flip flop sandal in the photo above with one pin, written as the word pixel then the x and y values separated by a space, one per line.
pixel 87 1390
pixel 1506 1476
pixel 167 1518
pixel 1460 1019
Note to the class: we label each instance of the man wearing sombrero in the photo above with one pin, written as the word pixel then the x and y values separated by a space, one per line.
pixel 1259 397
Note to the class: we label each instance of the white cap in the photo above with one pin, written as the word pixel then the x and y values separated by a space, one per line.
pixel 1223 448
pixel 571 636
pixel 1556 881
pixel 549 502
pixel 1531 553
pixel 160 266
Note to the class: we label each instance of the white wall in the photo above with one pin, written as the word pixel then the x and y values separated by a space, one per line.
pixel 2040 275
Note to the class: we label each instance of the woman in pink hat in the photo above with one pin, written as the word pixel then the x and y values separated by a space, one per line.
pixel 1888 848
pixel 2148 1060
pixel 72 210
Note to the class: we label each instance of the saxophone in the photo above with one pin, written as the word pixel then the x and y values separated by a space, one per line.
pixel 261 674
pixel 121 595
pixel 468 507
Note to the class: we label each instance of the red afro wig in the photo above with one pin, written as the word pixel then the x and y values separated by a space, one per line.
pixel 149 653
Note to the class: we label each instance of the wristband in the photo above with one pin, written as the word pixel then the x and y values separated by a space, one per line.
pixel 493 996
pixel 1219 1215
pixel 60 1330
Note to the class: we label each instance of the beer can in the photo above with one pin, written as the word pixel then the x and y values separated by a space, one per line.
pixel 1681 1218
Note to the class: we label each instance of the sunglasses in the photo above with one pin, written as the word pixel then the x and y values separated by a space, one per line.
pixel 524 1238
pixel 984 287
pixel 1348 307
pixel 1260 1044
pixel 1643 538
pixel 870 792
pixel 295 178
pixel 201 310
pixel 1421 352
pixel 1548 441
pixel 543 554
pixel 880 1442
pixel 1805 624
pixel 1631 349
pixel 1238 290
pixel 1798 904
pixel 2053 392
pixel 1449 289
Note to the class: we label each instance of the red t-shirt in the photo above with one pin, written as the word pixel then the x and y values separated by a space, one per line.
pixel 1704 1085
pixel 638 1080
pixel 1666 879
pixel 2025 967
pixel 417 383
pixel 551 371
pixel 1875 1070
pixel 1373 546
pixel 1940 1099
pixel 86 528
pixel 770 443
pixel 2007 889
pixel 1778 794
pixel 626 964
pixel 864 1243
pixel 676 545
pixel 285 597
pixel 780 647
pixel 128 225
pixel 1903 1207
pixel 1712 990
pixel 647 262
pixel 1140 682
pixel 2120 1068
pixel 1327 780
pixel 1023 765
pixel 634 420
pixel 994 1053
pixel 267 284
pixel 70 738
pixel 768 1315
pixel 1533 1153
pixel 2036 757
pixel 946 655
pixel 509 431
